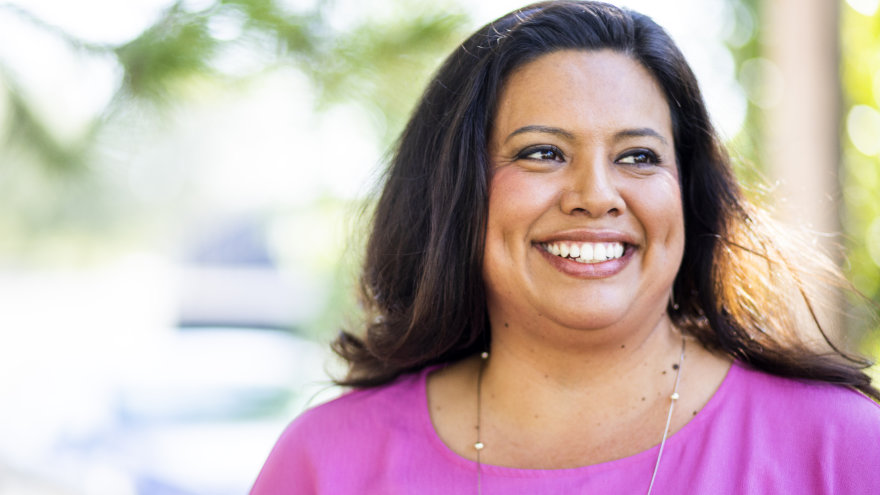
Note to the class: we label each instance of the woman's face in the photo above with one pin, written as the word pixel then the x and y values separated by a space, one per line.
pixel 585 222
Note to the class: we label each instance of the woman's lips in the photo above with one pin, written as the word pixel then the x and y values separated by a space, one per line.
pixel 593 260
pixel 586 252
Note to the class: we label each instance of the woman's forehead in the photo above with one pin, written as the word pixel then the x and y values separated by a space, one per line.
pixel 582 91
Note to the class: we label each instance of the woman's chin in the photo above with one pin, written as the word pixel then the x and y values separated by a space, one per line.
pixel 609 323
pixel 592 321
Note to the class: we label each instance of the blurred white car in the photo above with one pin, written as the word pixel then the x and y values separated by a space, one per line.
pixel 199 413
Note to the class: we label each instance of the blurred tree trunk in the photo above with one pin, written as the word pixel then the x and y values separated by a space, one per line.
pixel 801 144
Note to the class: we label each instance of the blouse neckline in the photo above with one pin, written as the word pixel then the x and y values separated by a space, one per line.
pixel 648 456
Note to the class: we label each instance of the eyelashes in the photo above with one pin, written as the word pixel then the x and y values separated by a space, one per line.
pixel 541 153
pixel 640 157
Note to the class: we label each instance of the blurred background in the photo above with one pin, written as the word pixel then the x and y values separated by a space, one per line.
pixel 183 186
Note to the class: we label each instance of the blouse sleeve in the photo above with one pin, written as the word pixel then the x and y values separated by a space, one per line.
pixel 289 467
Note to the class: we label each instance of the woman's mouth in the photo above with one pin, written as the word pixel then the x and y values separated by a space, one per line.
pixel 586 252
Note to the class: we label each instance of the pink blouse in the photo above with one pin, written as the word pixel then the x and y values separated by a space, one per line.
pixel 759 434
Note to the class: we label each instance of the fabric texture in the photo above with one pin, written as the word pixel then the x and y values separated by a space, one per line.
pixel 758 434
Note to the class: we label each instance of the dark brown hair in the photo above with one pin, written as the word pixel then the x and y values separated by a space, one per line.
pixel 422 283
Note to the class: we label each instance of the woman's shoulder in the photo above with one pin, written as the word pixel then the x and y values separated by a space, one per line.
pixel 360 414
pixel 775 434
pixel 344 437
pixel 837 409
pixel 360 408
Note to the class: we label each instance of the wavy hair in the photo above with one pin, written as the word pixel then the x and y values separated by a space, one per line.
pixel 740 290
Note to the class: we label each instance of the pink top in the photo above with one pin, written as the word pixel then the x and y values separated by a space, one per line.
pixel 759 434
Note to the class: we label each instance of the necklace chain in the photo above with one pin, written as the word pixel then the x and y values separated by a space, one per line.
pixel 673 398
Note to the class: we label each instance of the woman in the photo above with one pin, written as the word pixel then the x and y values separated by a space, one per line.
pixel 570 295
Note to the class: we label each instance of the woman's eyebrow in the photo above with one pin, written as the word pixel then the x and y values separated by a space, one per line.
pixel 625 133
pixel 542 129
pixel 640 132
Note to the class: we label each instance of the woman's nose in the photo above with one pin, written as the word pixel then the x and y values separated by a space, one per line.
pixel 591 190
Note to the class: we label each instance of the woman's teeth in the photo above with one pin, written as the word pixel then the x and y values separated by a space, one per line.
pixel 586 252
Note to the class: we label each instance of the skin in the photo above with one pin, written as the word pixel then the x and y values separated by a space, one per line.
pixel 582 354
pixel 588 174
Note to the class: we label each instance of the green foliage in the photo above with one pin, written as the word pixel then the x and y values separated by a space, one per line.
pixel 30 136
pixel 377 63
pixel 297 34
pixel 860 71
pixel 374 63
pixel 398 60
pixel 177 47
pixel 744 43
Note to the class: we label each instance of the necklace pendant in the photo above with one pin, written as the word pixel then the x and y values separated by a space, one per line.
pixel 479 445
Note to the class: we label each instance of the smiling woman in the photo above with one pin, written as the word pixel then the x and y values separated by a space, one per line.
pixel 577 167
pixel 570 295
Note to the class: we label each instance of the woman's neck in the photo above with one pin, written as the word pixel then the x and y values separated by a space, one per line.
pixel 545 405
pixel 582 366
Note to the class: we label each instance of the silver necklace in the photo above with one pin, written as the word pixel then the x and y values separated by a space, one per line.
pixel 673 398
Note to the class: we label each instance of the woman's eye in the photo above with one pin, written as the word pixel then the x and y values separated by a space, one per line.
pixel 542 153
pixel 639 157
